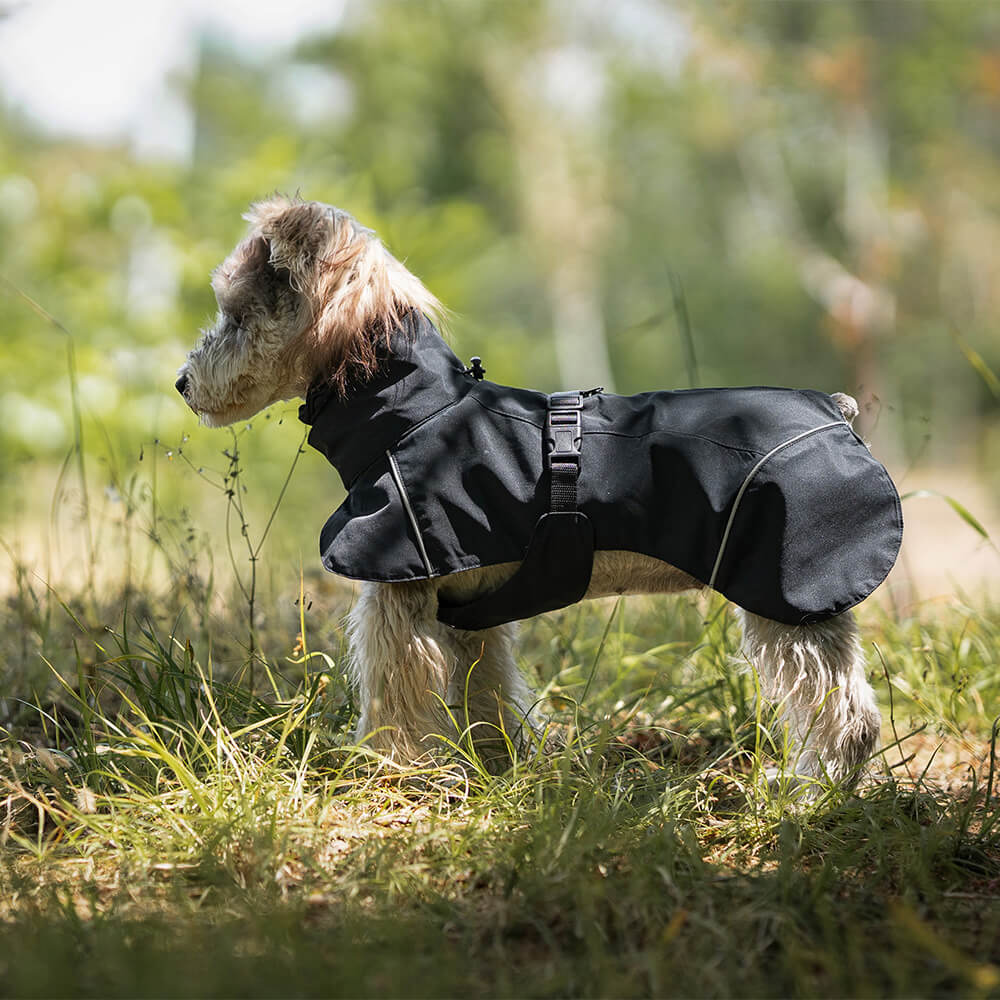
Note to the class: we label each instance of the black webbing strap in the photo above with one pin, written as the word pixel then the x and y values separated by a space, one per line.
pixel 560 555
pixel 562 453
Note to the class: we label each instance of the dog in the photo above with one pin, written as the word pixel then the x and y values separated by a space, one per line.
pixel 313 306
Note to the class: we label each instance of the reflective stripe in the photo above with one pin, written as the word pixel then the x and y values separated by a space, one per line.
pixel 746 482
pixel 398 480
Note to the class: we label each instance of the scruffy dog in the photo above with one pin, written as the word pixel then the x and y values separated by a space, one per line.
pixel 471 505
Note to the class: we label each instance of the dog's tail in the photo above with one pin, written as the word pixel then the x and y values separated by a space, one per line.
pixel 847 405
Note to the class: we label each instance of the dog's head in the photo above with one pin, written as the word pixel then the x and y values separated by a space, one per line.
pixel 307 294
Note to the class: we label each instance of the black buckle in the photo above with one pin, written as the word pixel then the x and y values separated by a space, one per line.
pixel 565 433
pixel 476 369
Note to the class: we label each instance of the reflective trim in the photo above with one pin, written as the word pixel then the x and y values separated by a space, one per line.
pixel 746 482
pixel 398 480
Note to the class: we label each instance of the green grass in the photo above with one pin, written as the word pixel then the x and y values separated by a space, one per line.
pixel 168 832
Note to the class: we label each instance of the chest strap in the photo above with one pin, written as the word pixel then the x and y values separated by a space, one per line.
pixel 560 555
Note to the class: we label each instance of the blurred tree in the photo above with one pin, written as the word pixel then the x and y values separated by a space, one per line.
pixel 885 95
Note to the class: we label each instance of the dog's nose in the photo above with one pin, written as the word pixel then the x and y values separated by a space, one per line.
pixel 181 384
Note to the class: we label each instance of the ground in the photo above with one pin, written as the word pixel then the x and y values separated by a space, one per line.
pixel 171 833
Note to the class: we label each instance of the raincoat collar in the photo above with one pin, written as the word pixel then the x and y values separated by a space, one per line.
pixel 418 376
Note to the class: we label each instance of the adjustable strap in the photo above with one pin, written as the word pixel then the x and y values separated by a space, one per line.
pixel 562 448
pixel 560 555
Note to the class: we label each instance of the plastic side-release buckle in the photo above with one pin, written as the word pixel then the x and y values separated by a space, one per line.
pixel 564 428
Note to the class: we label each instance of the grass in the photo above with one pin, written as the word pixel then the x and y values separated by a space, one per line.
pixel 168 832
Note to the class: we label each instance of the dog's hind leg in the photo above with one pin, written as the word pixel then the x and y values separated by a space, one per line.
pixel 399 668
pixel 816 675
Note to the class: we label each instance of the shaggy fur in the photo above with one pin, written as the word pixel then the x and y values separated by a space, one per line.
pixel 309 294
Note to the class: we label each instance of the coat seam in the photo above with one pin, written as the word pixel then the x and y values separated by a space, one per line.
pixel 398 479
pixel 746 483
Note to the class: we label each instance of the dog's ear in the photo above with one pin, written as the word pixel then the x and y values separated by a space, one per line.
pixel 256 255
pixel 241 269
pixel 296 234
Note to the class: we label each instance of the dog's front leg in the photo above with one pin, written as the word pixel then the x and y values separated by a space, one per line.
pixel 491 699
pixel 399 668
pixel 419 680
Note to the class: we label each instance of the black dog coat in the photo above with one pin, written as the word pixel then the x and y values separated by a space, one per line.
pixel 765 495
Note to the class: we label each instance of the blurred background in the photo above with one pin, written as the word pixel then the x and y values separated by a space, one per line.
pixel 645 194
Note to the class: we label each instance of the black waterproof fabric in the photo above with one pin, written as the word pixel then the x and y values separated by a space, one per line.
pixel 766 494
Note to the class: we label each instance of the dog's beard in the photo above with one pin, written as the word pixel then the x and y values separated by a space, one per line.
pixel 232 414
pixel 218 411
